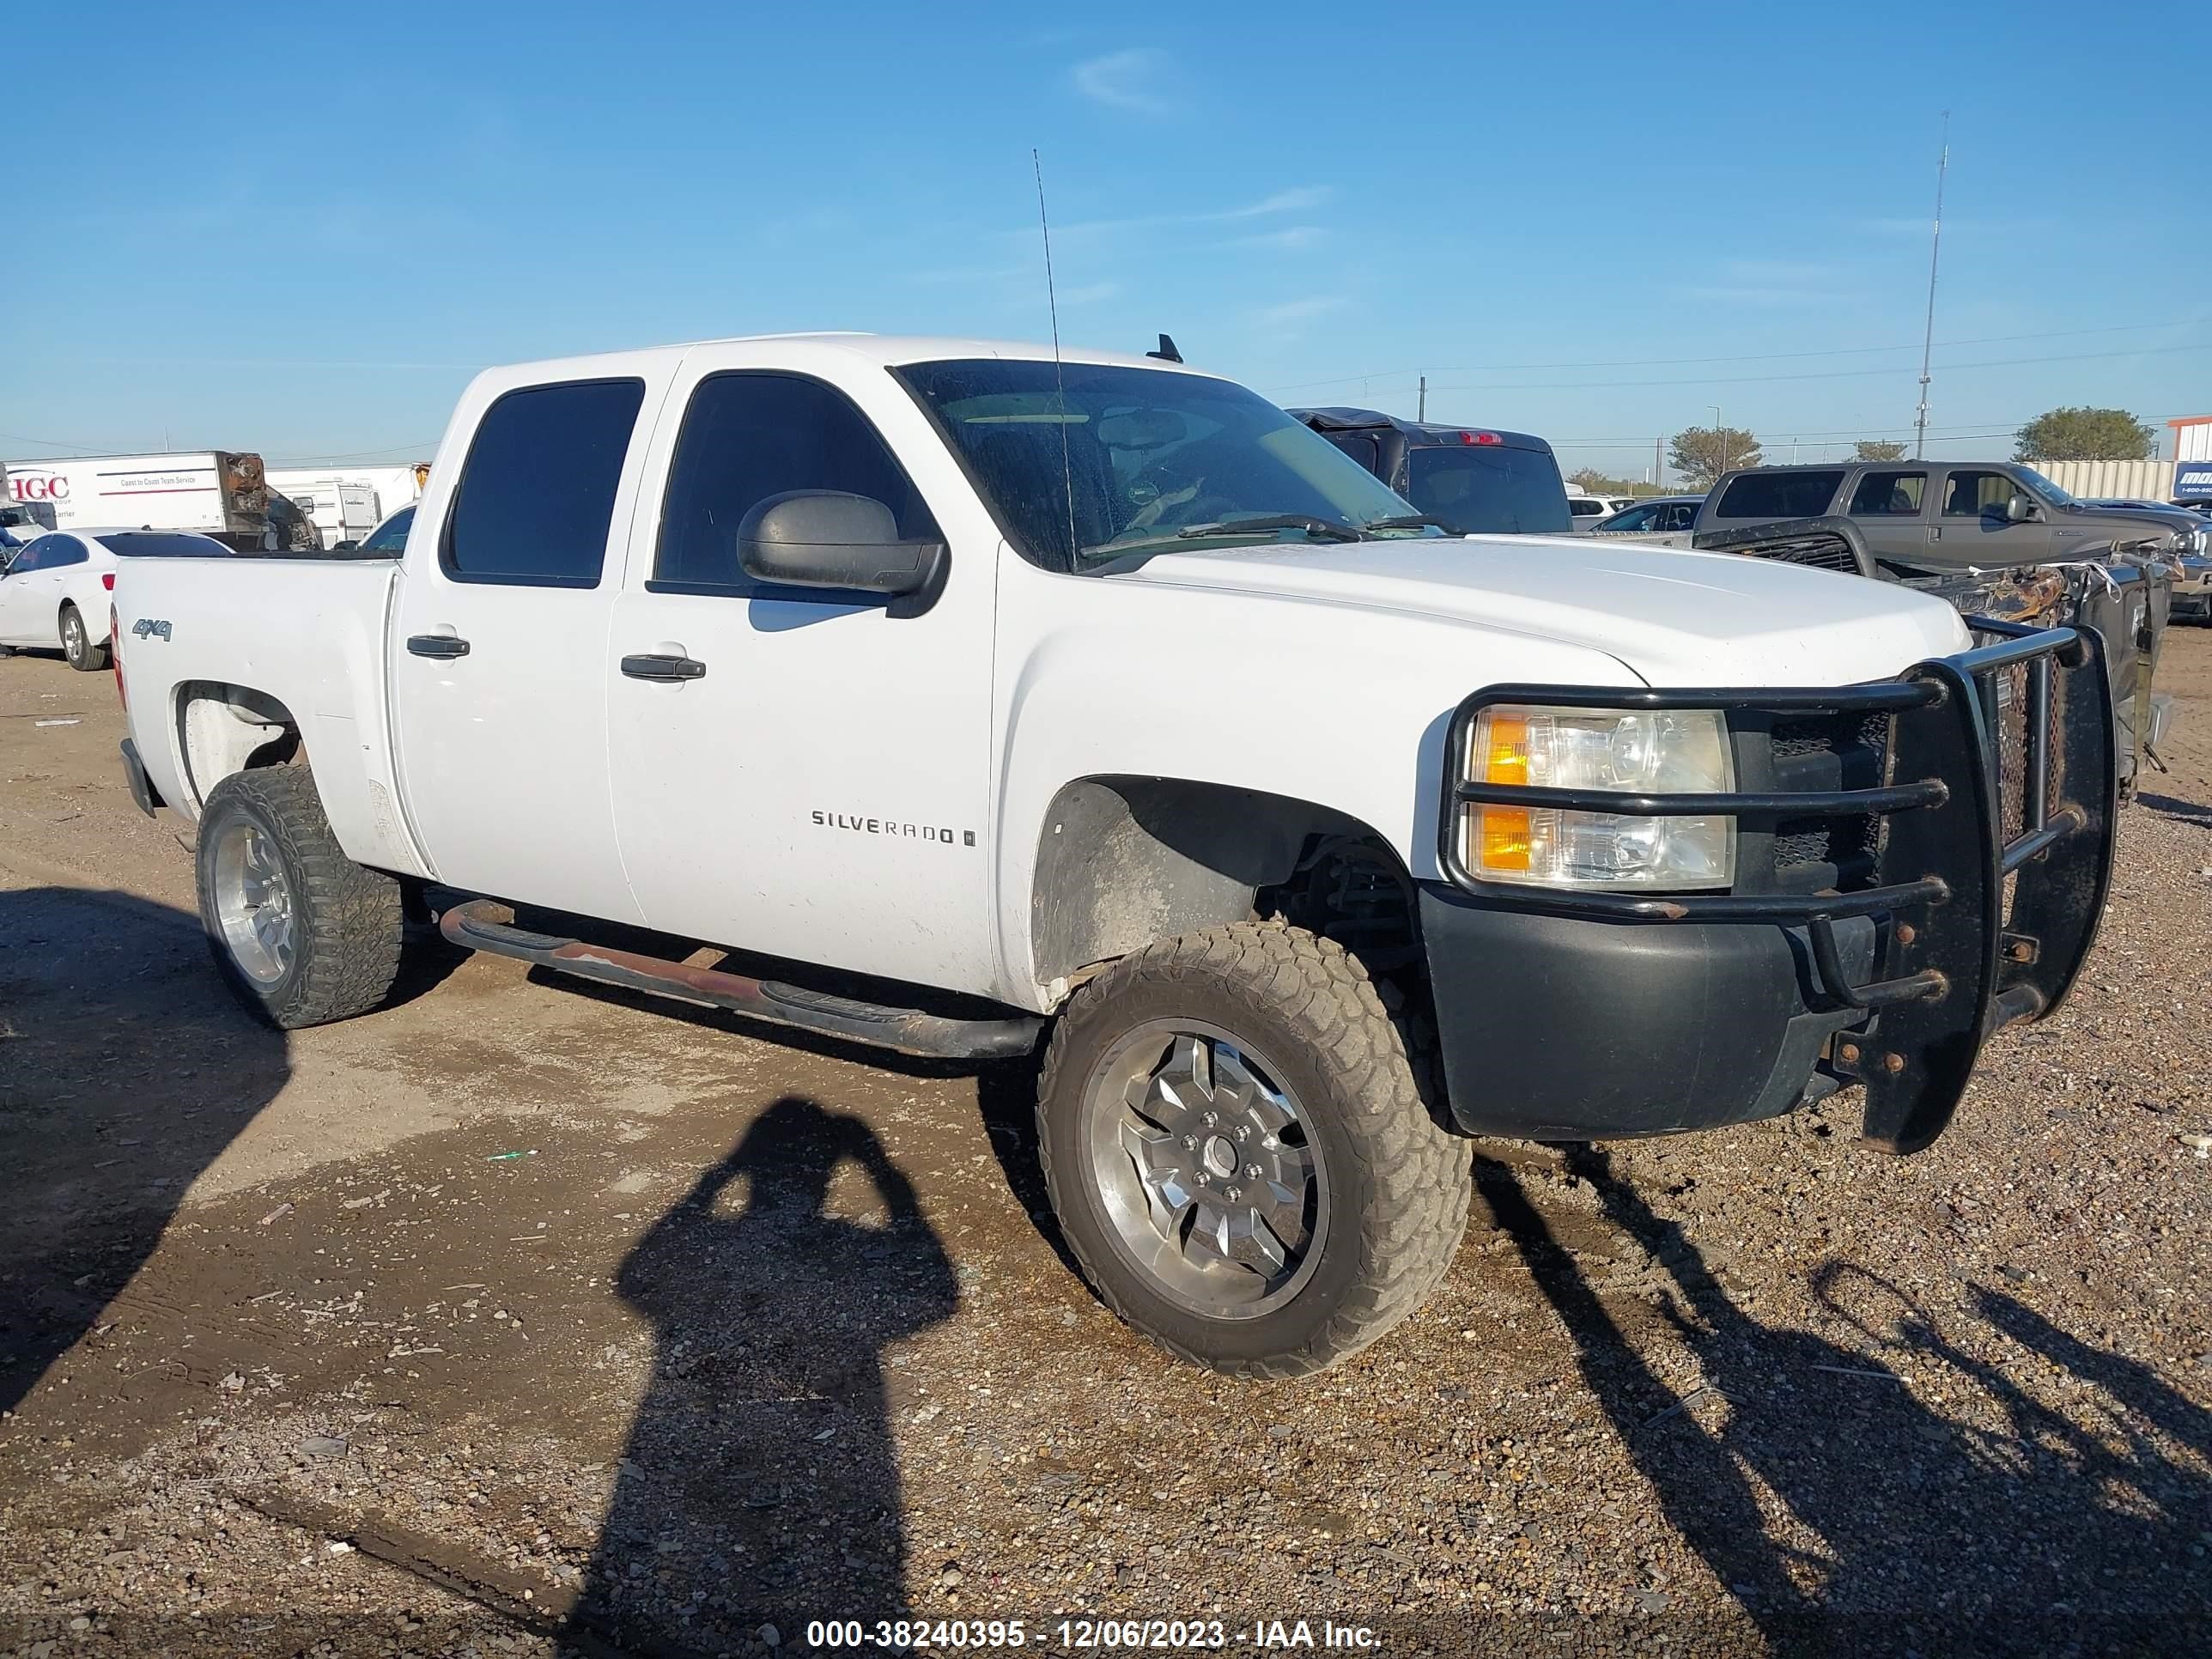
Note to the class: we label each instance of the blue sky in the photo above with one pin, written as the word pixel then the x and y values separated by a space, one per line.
pixel 299 230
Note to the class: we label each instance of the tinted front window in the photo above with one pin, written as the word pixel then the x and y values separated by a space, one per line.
pixel 391 536
pixel 1124 460
pixel 1888 495
pixel 1361 447
pixel 37 554
pixel 1634 518
pixel 1970 495
pixel 747 437
pixel 1778 496
pixel 1489 490
pixel 156 543
pixel 537 493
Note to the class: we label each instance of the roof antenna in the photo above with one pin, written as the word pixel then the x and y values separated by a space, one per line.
pixel 1059 383
pixel 1167 353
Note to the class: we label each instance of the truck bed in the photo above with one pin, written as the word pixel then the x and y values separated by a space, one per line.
pixel 308 634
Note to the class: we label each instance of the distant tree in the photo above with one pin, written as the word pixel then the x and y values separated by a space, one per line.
pixel 1866 450
pixel 1592 482
pixel 1702 453
pixel 2085 434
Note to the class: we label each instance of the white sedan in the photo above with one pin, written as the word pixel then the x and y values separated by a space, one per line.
pixel 53 591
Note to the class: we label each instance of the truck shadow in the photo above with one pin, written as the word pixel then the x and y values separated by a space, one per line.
pixel 2184 812
pixel 760 1483
pixel 1840 1511
pixel 126 1067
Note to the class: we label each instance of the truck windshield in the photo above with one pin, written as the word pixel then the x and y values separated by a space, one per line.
pixel 1489 490
pixel 2043 486
pixel 1083 464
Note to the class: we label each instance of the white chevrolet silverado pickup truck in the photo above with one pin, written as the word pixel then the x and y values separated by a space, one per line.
pixel 1093 708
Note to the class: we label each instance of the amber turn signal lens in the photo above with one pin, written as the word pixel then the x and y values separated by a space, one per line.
pixel 1505 757
pixel 1502 838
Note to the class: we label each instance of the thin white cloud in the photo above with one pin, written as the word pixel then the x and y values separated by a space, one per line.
pixel 1283 201
pixel 1089 294
pixel 1291 312
pixel 1754 293
pixel 1287 240
pixel 1138 79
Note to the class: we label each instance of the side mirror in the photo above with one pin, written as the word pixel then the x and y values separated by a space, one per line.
pixel 346 547
pixel 2019 509
pixel 828 538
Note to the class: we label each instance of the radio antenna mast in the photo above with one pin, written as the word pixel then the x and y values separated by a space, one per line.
pixel 1935 253
pixel 1059 380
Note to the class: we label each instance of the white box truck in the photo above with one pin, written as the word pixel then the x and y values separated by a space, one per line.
pixel 219 493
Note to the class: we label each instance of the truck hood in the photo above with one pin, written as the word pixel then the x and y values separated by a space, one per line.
pixel 1676 618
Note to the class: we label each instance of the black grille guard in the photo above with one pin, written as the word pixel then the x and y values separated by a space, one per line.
pixel 1952 968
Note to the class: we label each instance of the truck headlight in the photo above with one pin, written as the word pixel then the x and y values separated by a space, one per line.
pixel 1658 752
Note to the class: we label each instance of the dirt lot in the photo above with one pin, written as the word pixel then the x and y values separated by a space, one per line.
pixel 515 1315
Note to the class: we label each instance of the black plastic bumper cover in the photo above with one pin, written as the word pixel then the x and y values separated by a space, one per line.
pixel 1566 1015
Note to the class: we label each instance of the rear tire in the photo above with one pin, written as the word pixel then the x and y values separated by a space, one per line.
pixel 303 934
pixel 76 643
pixel 1237 1148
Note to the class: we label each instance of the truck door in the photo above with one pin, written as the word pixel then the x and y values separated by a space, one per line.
pixel 803 772
pixel 498 659
pixel 1971 525
pixel 1890 507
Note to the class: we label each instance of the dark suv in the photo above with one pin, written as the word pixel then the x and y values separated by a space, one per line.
pixel 1947 515
pixel 1477 481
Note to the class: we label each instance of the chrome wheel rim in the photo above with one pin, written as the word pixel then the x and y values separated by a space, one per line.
pixel 253 903
pixel 73 634
pixel 1212 1182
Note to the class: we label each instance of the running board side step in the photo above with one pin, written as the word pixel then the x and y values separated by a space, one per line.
pixel 475 926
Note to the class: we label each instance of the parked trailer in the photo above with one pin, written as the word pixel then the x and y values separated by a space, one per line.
pixel 220 493
pixel 342 508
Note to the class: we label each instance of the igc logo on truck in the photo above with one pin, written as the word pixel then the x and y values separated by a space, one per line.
pixel 38 487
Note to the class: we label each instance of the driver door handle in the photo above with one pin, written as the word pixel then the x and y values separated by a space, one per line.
pixel 437 645
pixel 653 666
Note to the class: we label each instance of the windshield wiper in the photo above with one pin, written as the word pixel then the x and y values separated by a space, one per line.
pixel 1415 521
pixel 1312 526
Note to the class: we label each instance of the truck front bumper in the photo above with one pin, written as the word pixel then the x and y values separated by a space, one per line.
pixel 1570 1015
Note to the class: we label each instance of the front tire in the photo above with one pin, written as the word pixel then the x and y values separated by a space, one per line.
pixel 303 934
pixel 1237 1149
pixel 76 643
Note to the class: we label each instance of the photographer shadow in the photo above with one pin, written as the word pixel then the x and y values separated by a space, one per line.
pixel 760 1482
pixel 1840 1512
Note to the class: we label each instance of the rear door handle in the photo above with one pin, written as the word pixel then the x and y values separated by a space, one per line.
pixel 654 667
pixel 437 645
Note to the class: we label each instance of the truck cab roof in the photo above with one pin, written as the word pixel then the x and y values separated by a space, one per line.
pixel 1417 434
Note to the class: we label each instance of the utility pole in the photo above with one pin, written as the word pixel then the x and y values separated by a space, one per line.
pixel 1720 445
pixel 1658 461
pixel 1423 414
pixel 1935 255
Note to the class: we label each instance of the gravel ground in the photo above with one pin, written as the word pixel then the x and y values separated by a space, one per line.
pixel 517 1317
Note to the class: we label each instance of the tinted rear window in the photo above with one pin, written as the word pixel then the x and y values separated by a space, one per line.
pixel 1778 496
pixel 154 544
pixel 1489 490
pixel 538 491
